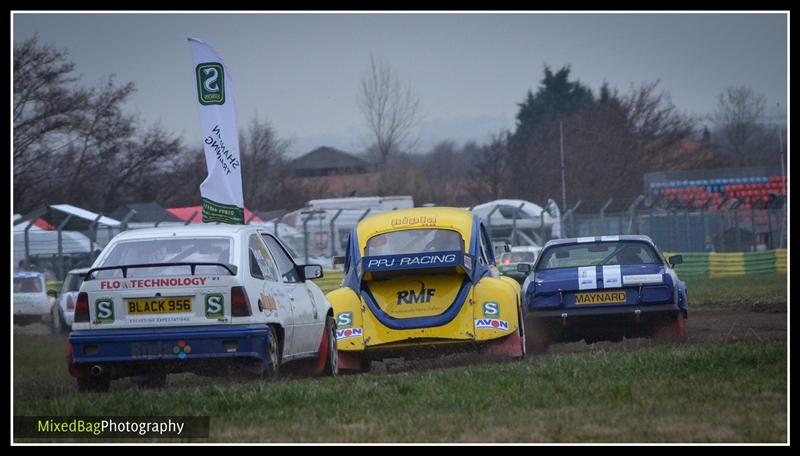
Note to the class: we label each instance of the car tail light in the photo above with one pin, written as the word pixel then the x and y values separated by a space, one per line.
pixel 70 304
pixel 240 305
pixel 507 261
pixel 82 308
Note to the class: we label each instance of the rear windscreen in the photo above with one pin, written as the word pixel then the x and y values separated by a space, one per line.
pixel 414 241
pixel 168 250
pixel 521 257
pixel 72 283
pixel 598 253
pixel 28 285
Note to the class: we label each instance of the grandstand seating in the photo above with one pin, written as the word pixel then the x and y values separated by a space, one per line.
pixel 753 192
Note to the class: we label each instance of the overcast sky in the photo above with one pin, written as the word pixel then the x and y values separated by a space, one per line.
pixel 301 71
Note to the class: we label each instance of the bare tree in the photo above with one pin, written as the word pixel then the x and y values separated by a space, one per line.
pixel 78 145
pixel 490 173
pixel 264 166
pixel 737 118
pixel 391 111
pixel 46 108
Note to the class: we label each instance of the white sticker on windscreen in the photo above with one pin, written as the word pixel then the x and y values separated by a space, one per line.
pixel 587 278
pixel 612 276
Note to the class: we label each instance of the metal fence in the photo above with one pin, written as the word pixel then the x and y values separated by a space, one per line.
pixel 685 230
pixel 314 237
pixel 317 236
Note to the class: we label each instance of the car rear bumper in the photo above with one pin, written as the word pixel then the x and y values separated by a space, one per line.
pixel 428 348
pixel 169 349
pixel 599 323
pixel 37 309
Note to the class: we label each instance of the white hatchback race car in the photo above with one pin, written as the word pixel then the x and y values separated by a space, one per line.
pixel 63 312
pixel 207 299
pixel 31 299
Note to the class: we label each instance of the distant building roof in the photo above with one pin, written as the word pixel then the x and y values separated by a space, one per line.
pixel 327 160
pixel 145 212
pixel 84 214
pixel 267 216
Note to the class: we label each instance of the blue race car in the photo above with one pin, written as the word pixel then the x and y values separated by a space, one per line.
pixel 603 288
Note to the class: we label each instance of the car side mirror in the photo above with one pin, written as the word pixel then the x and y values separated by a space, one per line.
pixel 312 271
pixel 524 268
pixel 675 260
pixel 339 259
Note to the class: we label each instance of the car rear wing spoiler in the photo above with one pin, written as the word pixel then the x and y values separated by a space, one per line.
pixel 378 266
pixel 124 267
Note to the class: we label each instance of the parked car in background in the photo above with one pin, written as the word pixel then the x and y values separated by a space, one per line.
pixel 509 261
pixel 31 298
pixel 420 282
pixel 63 311
pixel 206 299
pixel 604 288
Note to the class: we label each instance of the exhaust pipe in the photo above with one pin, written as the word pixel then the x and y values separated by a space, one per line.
pixel 96 370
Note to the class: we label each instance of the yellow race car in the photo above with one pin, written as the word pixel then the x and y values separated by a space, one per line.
pixel 422 282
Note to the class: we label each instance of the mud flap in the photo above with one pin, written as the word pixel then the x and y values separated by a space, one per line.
pixel 350 360
pixel 322 358
pixel 511 346
pixel 76 371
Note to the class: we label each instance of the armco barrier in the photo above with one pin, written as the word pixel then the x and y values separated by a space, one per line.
pixel 732 264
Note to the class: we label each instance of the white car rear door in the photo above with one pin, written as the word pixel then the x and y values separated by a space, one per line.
pixel 308 313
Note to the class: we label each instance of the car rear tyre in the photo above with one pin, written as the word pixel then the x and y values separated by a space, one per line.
pixel 273 361
pixel 538 340
pixel 57 324
pixel 365 363
pixel 332 361
pixel 523 343
pixel 94 385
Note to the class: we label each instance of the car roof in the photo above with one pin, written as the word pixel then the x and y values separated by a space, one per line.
pixel 26 274
pixel 453 218
pixel 614 238
pixel 197 229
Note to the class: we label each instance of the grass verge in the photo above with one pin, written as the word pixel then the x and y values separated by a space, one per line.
pixel 692 393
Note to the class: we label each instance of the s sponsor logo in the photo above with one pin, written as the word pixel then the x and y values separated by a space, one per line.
pixel 211 83
pixel 348 333
pixel 491 323
pixel 214 305
pixel 344 320
pixel 104 310
pixel 491 310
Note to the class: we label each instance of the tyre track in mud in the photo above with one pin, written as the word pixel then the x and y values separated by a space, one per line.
pixel 703 327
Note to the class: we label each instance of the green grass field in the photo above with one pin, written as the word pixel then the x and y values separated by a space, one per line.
pixel 753 292
pixel 701 393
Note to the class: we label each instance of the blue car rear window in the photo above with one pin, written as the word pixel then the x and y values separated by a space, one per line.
pixel 596 254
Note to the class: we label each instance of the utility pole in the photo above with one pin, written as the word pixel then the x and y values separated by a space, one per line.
pixel 563 181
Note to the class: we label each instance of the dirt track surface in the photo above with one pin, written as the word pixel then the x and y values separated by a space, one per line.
pixel 703 326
